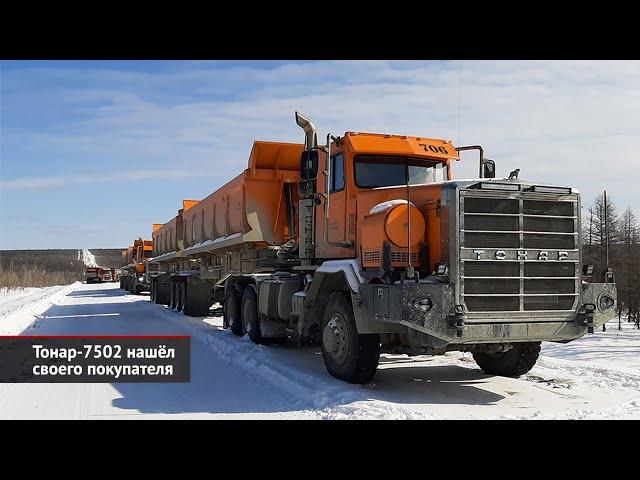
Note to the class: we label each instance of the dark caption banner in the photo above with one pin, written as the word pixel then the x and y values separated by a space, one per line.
pixel 47 359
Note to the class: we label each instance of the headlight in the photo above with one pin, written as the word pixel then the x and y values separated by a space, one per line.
pixel 441 269
pixel 511 187
pixel 424 304
pixel 141 279
pixel 606 302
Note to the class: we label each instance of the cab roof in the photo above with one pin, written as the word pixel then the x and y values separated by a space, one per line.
pixel 381 144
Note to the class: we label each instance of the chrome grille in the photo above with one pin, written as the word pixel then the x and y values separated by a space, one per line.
pixel 518 254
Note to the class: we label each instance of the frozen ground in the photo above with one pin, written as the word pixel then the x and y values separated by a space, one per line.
pixel 594 377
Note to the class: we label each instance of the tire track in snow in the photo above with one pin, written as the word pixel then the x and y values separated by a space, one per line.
pixel 321 396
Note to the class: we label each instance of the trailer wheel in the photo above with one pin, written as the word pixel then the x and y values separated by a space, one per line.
pixel 231 311
pixel 347 355
pixel 250 318
pixel 183 294
pixel 172 294
pixel 179 295
pixel 512 363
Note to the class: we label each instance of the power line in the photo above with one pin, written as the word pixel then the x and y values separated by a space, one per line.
pixel 459 97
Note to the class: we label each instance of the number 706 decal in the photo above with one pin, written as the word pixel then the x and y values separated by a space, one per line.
pixel 433 148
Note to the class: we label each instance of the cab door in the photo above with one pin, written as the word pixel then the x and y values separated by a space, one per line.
pixel 337 199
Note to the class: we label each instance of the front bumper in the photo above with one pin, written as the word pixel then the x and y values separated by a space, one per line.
pixel 391 306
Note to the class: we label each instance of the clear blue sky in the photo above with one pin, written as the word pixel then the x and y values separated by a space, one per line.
pixel 93 153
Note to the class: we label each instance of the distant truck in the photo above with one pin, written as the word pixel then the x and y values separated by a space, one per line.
pixel 94 275
pixel 367 244
pixel 110 275
pixel 133 276
pixel 100 274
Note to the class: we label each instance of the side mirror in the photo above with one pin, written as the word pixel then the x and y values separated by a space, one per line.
pixel 309 165
pixel 489 169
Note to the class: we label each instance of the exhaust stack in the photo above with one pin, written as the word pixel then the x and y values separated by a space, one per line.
pixel 311 138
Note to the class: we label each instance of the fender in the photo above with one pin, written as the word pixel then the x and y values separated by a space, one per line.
pixel 334 276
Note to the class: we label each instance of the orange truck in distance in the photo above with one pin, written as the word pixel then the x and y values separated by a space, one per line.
pixel 133 276
pixel 100 274
pixel 368 244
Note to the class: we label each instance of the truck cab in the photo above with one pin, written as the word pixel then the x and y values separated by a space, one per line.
pixel 133 276
pixel 423 263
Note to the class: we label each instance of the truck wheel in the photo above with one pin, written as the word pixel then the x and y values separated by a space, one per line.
pixel 152 291
pixel 121 284
pixel 347 355
pixel 231 311
pixel 183 294
pixel 179 295
pixel 172 294
pixel 512 363
pixel 250 318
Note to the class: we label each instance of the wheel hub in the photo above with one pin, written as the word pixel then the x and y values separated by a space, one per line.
pixel 335 338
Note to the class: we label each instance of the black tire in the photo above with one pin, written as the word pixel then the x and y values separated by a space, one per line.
pixel 179 295
pixel 231 311
pixel 512 363
pixel 250 317
pixel 152 291
pixel 172 294
pixel 347 355
pixel 183 294
pixel 121 284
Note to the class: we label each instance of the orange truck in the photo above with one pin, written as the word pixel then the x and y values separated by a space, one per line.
pixel 368 244
pixel 133 276
pixel 100 274
pixel 94 274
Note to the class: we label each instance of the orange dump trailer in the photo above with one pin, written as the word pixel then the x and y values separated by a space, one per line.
pixel 250 209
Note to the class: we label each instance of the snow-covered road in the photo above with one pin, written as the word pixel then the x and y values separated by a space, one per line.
pixel 595 377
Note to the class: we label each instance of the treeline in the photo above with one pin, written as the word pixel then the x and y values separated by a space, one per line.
pixel 605 228
pixel 25 276
pixel 44 268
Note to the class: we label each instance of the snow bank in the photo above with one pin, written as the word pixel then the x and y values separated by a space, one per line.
pixel 19 312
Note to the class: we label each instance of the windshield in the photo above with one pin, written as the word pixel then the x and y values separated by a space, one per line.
pixel 373 171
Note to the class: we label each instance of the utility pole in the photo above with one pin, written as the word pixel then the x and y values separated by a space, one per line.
pixel 606 229
pixel 606 236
